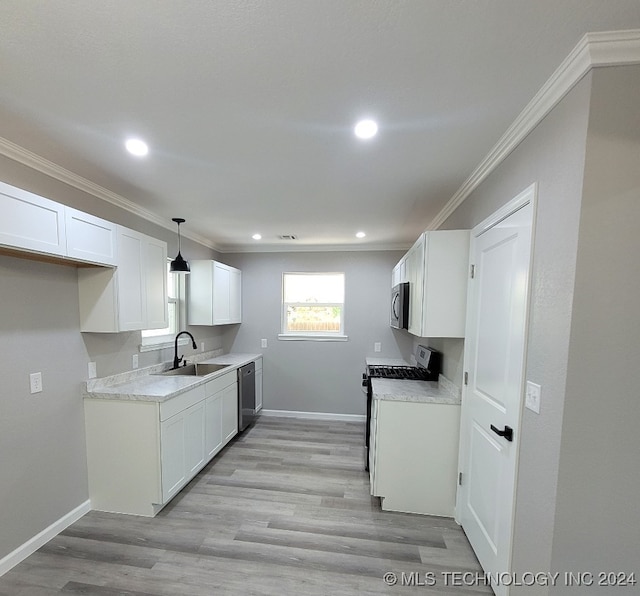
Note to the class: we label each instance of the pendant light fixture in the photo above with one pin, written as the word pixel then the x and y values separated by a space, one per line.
pixel 179 265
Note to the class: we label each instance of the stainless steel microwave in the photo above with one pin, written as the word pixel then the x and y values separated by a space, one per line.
pixel 400 306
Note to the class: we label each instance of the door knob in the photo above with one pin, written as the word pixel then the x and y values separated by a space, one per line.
pixel 507 433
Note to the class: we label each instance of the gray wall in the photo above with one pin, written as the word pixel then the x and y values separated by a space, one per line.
pixel 553 156
pixel 43 469
pixel 317 376
pixel 43 472
pixel 597 524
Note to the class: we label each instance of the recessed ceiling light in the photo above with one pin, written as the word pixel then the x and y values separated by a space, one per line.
pixel 360 235
pixel 366 129
pixel 137 147
pixel 257 237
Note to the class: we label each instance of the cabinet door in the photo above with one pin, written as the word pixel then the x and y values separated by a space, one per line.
pixel 221 294
pixel 90 238
pixel 229 413
pixel 373 445
pixel 155 266
pixel 235 296
pixel 213 424
pixel 194 433
pixel 172 455
pixel 31 222
pixel 258 390
pixel 132 310
pixel 415 277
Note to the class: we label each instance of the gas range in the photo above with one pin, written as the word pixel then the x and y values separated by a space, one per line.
pixel 411 373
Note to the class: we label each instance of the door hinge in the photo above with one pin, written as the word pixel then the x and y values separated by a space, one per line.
pixel 472 272
pixel 459 478
pixel 466 378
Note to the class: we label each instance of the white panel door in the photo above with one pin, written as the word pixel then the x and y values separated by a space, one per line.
pixel 31 222
pixel 194 418
pixel 229 413
pixel 221 294
pixel 90 238
pixel 172 455
pixel 492 399
pixel 213 424
pixel 131 280
pixel 156 284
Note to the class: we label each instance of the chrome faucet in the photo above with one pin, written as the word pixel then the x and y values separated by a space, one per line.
pixel 176 360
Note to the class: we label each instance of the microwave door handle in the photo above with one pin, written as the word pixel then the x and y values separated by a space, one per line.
pixel 396 315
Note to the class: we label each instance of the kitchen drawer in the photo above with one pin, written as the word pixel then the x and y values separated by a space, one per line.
pixel 221 382
pixel 181 402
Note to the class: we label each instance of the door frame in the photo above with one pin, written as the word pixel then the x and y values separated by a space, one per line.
pixel 527 196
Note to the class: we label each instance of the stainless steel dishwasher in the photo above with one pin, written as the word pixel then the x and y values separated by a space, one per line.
pixel 246 395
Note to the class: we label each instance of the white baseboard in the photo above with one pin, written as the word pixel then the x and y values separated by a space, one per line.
pixel 314 415
pixel 33 544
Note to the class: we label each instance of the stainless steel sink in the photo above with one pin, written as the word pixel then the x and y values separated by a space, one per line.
pixel 195 370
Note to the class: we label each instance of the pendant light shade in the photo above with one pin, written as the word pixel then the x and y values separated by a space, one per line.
pixel 179 265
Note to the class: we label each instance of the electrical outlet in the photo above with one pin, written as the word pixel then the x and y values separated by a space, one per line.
pixel 35 381
pixel 202 346
pixel 377 347
pixel 134 361
pixel 92 370
pixel 532 397
pixel 264 343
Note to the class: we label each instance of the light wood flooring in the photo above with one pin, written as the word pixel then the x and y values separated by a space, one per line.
pixel 283 509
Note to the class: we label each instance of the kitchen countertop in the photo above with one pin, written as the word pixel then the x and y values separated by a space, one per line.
pixel 148 385
pixel 442 391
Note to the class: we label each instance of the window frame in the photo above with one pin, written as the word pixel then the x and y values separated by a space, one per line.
pixel 288 335
pixel 161 342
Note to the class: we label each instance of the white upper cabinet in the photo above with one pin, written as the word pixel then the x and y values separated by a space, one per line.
pixel 30 222
pixel 437 272
pixel 90 238
pixel 131 297
pixel 215 294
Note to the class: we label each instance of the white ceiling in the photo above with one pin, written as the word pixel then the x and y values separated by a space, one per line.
pixel 248 105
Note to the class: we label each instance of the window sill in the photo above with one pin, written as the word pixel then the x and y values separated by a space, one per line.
pixel 162 344
pixel 311 337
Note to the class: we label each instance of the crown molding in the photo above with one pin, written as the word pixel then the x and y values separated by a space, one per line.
pixel 608 48
pixel 53 170
pixel 261 248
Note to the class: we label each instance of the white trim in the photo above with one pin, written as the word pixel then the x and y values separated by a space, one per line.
pixel 313 415
pixel 608 48
pixel 163 344
pixel 40 539
pixel 311 337
pixel 528 195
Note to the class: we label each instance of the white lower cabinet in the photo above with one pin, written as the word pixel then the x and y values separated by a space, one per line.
pixel 140 454
pixel 221 411
pixel 413 457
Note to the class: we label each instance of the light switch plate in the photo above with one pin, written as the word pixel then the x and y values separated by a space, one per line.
pixel 377 347
pixel 134 361
pixel 532 397
pixel 92 370
pixel 264 343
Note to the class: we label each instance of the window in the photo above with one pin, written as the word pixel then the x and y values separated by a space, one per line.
pixel 313 306
pixel 155 339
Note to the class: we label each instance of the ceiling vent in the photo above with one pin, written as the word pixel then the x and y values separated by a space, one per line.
pixel 288 237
